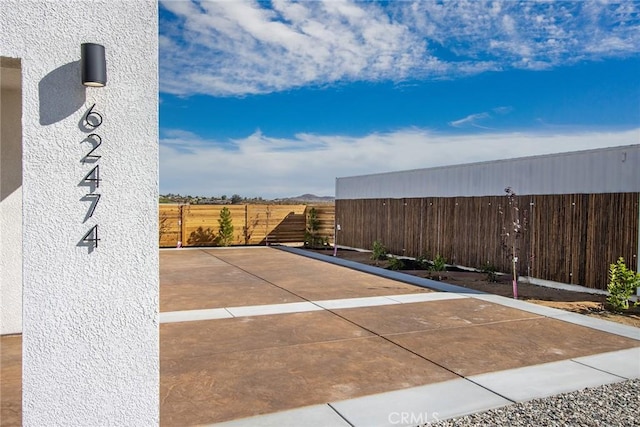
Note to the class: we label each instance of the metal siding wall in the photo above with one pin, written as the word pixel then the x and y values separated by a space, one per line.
pixel 609 170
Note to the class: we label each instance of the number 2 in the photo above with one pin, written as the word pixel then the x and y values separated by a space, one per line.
pixel 93 138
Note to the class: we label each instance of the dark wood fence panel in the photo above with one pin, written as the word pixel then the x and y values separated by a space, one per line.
pixel 413 224
pixel 394 232
pixel 431 227
pixel 612 231
pixel 570 238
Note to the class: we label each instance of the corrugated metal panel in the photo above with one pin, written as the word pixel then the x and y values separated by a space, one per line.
pixel 608 170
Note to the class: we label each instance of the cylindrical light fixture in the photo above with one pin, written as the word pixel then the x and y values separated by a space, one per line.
pixel 93 65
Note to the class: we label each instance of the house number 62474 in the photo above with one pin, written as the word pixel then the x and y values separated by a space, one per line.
pixel 92 120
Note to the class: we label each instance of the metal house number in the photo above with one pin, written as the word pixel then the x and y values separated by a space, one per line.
pixel 92 120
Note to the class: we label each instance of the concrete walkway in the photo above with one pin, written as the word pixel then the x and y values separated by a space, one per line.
pixel 298 341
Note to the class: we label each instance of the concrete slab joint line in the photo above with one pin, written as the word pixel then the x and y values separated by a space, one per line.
pixel 419 405
pixel 317 415
pixel 538 381
pixel 623 363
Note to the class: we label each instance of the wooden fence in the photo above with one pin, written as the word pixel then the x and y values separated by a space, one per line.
pixel 568 238
pixel 197 225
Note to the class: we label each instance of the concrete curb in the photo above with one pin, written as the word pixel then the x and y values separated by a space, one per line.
pixel 387 274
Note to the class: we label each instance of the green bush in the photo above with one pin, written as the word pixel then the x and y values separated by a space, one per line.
pixel 395 264
pixel 225 230
pixel 379 252
pixel 622 284
pixel 312 239
pixel 439 263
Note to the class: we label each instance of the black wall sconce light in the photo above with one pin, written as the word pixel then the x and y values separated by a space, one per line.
pixel 93 65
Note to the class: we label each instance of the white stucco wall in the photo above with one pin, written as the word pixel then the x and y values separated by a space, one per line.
pixel 90 319
pixel 10 200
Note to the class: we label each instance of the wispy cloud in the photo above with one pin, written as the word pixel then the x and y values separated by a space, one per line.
pixel 474 120
pixel 502 110
pixel 259 165
pixel 470 120
pixel 235 48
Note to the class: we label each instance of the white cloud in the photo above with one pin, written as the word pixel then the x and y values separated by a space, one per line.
pixel 470 120
pixel 259 165
pixel 502 110
pixel 231 48
pixel 474 120
pixel 234 48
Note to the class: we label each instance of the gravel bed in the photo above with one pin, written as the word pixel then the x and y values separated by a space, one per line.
pixel 608 405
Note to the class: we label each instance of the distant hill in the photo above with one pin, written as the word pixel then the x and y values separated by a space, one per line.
pixel 309 198
pixel 236 199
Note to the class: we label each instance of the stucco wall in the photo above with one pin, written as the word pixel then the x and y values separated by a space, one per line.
pixel 90 318
pixel 10 200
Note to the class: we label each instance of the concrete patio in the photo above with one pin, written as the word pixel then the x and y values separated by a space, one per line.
pixel 262 336
pixel 256 331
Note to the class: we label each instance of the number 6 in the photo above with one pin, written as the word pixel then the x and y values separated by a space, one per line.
pixel 93 118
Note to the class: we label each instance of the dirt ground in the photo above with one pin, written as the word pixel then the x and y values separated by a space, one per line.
pixel 578 302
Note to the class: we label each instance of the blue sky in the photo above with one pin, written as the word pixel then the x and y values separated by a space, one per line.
pixel 276 99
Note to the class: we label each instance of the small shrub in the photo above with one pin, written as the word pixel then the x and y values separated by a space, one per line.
pixel 312 239
pixel 423 262
pixel 439 263
pixel 379 252
pixel 225 230
pixel 491 271
pixel 395 264
pixel 622 284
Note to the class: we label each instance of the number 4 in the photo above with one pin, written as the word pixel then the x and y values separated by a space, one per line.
pixel 91 238
pixel 93 176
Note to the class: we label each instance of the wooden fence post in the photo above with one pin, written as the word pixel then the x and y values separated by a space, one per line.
pixel 246 224
pixel 183 225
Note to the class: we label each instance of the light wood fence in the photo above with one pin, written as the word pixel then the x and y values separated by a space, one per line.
pixel 197 225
